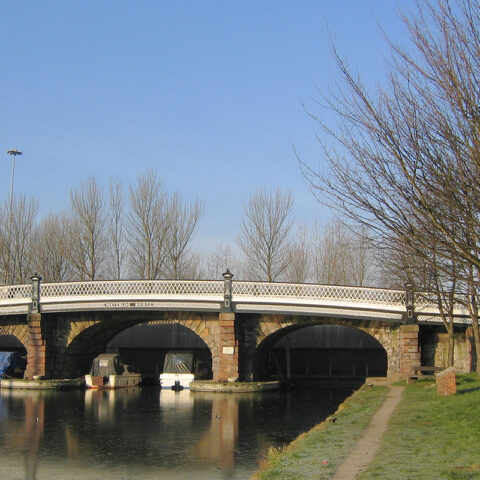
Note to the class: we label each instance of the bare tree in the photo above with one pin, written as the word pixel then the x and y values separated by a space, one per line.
pixel 361 258
pixel 190 265
pixel 184 220
pixel 219 259
pixel 405 162
pixel 330 257
pixel 116 229
pixel 49 254
pixel 473 296
pixel 265 228
pixel 149 226
pixel 5 243
pixel 299 257
pixel 16 238
pixel 86 230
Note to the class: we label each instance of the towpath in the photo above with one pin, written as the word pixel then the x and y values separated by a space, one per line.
pixel 358 460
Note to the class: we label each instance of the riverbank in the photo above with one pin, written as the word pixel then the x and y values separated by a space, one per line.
pixel 431 436
pixel 319 452
pixel 427 437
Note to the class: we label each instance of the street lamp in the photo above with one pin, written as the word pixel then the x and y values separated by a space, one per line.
pixel 13 153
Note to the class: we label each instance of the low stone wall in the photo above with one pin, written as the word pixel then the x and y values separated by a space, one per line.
pixel 27 384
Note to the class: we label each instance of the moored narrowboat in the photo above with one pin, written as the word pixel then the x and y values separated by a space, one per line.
pixel 109 371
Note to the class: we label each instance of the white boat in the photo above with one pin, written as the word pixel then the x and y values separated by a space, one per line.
pixel 177 370
pixel 109 371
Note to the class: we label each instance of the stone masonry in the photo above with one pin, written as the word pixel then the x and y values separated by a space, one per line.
pixel 446 382
pixel 36 348
pixel 228 349
pixel 409 352
pixel 63 345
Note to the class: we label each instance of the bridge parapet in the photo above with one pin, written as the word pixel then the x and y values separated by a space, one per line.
pixel 320 292
pixel 15 299
pixel 10 293
pixel 208 295
pixel 133 288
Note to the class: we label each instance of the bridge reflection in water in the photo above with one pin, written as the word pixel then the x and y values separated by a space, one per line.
pixel 150 433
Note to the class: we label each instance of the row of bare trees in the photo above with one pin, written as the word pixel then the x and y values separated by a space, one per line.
pixel 146 233
pixel 403 160
pixel 274 248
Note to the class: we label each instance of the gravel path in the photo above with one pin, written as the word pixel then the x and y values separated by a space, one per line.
pixel 358 460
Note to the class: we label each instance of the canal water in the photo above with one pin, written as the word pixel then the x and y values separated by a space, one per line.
pixel 150 433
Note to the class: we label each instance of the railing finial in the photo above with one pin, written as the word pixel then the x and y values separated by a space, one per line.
pixel 227 291
pixel 410 303
pixel 36 280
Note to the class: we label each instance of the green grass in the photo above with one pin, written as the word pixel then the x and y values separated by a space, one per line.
pixel 331 442
pixel 430 437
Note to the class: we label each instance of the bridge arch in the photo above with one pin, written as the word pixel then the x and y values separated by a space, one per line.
pixel 272 328
pixel 90 333
pixel 15 334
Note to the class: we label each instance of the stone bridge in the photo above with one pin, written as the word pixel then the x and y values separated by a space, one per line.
pixel 63 326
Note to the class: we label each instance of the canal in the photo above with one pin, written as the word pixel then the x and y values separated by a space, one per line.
pixel 150 433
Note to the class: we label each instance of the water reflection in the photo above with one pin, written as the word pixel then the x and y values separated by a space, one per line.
pixel 217 444
pixel 149 433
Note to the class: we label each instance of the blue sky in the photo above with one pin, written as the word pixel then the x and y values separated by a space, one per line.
pixel 207 93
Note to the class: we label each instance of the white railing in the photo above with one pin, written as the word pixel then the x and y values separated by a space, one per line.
pixel 17 292
pixel 132 288
pixel 206 287
pixel 320 292
pixel 247 296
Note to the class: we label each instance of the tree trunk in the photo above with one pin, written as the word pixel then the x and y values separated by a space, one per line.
pixel 473 310
pixel 476 339
pixel 451 348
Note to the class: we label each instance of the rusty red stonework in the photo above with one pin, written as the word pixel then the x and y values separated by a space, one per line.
pixel 228 349
pixel 36 351
pixel 446 382
pixel 409 352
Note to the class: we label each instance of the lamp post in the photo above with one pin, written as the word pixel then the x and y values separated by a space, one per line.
pixel 13 153
pixel 227 291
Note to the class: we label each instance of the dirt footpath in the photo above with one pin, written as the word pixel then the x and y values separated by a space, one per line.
pixel 358 460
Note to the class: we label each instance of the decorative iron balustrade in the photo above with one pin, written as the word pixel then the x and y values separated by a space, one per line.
pixel 320 292
pixel 132 288
pixel 208 287
pixel 280 296
pixel 18 292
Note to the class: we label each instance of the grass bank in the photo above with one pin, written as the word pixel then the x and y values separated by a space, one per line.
pixel 430 437
pixel 318 453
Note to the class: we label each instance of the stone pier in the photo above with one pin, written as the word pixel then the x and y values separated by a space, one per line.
pixel 228 349
pixel 36 348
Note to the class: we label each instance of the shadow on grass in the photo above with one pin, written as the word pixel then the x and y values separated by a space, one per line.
pixel 468 390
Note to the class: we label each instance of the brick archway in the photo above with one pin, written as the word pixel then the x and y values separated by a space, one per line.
pixel 271 328
pixel 20 332
pixel 89 334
